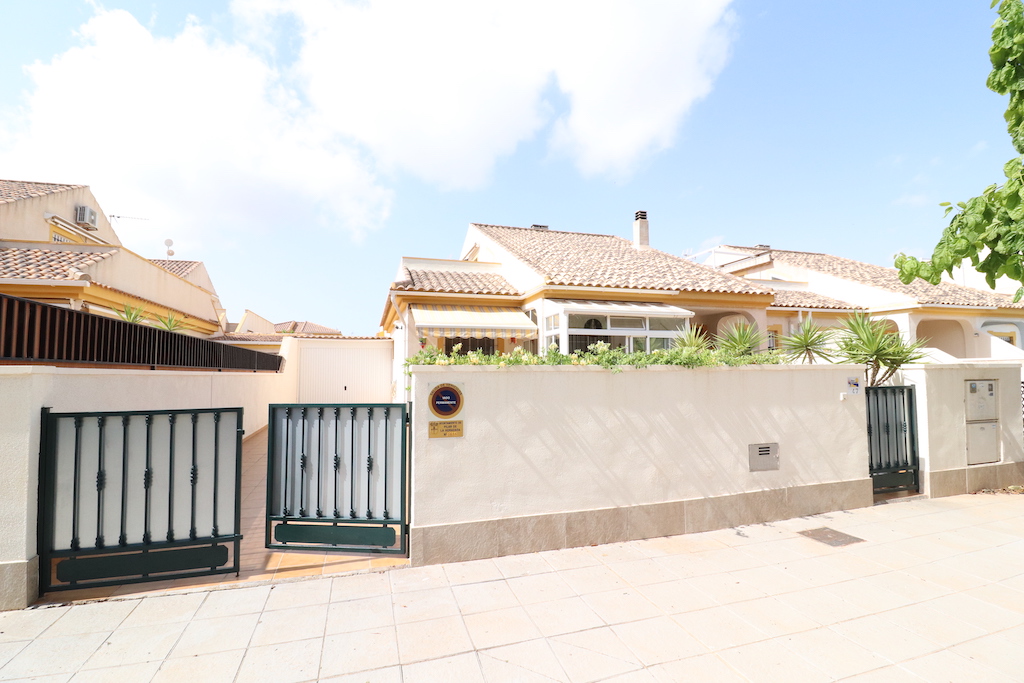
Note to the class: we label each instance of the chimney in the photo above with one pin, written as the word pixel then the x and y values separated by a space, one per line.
pixel 641 232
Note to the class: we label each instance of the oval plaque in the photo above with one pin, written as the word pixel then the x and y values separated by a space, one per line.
pixel 445 400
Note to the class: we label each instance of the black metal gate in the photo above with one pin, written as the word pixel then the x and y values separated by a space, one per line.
pixel 138 496
pixel 892 439
pixel 336 478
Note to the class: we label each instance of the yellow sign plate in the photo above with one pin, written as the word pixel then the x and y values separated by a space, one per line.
pixel 446 429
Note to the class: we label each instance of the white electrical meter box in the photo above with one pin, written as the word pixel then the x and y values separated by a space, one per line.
pixel 980 395
pixel 982 443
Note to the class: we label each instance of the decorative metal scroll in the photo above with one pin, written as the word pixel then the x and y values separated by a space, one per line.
pixel 138 496
pixel 336 477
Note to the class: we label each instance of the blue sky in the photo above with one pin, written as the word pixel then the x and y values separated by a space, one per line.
pixel 300 149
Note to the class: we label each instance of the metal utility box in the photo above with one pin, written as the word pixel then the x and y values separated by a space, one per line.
pixel 981 399
pixel 982 442
pixel 982 412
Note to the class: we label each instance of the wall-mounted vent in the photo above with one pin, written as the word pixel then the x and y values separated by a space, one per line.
pixel 85 217
pixel 763 456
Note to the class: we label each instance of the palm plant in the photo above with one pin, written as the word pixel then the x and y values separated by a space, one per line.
pixel 692 339
pixel 868 342
pixel 169 323
pixel 810 342
pixel 741 339
pixel 131 315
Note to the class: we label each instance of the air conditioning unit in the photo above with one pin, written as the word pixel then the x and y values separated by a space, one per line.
pixel 85 217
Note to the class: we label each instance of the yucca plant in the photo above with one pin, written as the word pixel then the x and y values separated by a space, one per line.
pixel 169 322
pixel 692 339
pixel 867 341
pixel 809 343
pixel 131 315
pixel 740 339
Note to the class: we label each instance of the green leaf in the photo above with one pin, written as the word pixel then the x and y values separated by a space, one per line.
pixel 1018 295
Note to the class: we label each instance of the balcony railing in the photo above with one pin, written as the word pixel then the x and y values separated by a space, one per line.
pixel 32 332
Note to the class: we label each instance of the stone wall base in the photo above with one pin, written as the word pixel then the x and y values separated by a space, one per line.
pixel 974 478
pixel 19 583
pixel 516 535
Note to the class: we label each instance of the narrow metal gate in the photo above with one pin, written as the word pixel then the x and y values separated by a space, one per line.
pixel 892 439
pixel 138 496
pixel 336 478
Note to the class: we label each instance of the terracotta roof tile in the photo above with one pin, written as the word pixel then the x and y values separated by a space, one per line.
pixel 454 281
pixel 303 327
pixel 944 293
pixel 788 298
pixel 583 259
pixel 13 190
pixel 263 337
pixel 179 268
pixel 46 264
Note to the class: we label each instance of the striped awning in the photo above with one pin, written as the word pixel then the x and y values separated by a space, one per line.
pixel 492 322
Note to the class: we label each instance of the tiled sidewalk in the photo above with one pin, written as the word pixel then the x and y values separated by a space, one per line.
pixel 935 592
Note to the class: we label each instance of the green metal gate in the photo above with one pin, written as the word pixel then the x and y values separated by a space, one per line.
pixel 892 439
pixel 138 496
pixel 337 477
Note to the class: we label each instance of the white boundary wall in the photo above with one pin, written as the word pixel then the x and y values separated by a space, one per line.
pixel 331 366
pixel 563 456
pixel 942 427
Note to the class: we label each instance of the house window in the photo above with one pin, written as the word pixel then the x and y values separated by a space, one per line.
pixel 629 323
pixel 661 343
pixel 618 331
pixel 668 324
pixel 469 344
pixel 580 342
pixel 586 321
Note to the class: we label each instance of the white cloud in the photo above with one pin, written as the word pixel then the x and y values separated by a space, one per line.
pixel 208 137
pixel 190 132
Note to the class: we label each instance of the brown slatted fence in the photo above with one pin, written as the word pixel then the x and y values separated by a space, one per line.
pixel 33 332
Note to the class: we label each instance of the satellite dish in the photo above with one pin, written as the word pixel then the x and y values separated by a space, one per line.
pixel 168 243
pixel 170 252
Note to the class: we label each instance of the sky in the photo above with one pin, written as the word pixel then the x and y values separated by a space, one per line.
pixel 300 148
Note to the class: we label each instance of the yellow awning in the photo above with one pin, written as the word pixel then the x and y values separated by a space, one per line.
pixel 492 322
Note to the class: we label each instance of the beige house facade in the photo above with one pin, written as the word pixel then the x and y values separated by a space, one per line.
pixel 956 320
pixel 533 287
pixel 57 246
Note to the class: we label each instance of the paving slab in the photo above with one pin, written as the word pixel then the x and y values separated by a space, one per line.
pixel 928 590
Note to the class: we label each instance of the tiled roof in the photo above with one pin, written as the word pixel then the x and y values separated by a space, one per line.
pixel 261 337
pixel 46 264
pixel 461 282
pixel 304 327
pixel 944 293
pixel 13 190
pixel 582 259
pixel 179 268
pixel 788 298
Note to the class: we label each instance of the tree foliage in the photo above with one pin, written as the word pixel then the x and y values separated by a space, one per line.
pixel 809 343
pixel 132 314
pixel 868 342
pixel 740 339
pixel 989 229
pixel 169 322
